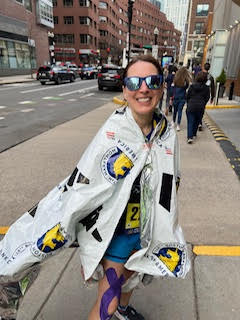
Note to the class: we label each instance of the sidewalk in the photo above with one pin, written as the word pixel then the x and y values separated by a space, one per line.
pixel 17 79
pixel 209 214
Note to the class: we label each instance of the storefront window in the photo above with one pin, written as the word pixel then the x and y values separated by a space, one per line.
pixel 3 55
pixel 11 55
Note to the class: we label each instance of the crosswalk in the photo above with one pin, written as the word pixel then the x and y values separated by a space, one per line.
pixel 46 98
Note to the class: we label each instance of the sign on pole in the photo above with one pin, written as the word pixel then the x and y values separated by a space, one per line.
pixel 155 51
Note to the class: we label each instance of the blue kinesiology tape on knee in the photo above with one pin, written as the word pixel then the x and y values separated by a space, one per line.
pixel 113 291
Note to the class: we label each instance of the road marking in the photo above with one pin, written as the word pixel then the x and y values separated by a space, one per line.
pixel 77 91
pixel 2 118
pixel 26 110
pixel 3 229
pixel 25 102
pixel 2 107
pixel 52 98
pixel 87 95
pixel 72 100
pixel 217 250
pixel 51 87
pixel 51 104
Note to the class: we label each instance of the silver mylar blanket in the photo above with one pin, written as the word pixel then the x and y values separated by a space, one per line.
pixel 88 204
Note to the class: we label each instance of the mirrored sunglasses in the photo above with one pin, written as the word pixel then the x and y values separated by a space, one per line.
pixel 153 82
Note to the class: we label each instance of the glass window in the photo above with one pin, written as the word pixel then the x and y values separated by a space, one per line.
pixel 68 20
pixel 20 1
pixel 102 19
pixel 68 3
pixel 85 38
pixel 199 27
pixel 28 4
pixel 102 5
pixel 4 63
pixel 54 2
pixel 85 20
pixel 202 10
pixel 85 3
pixel 55 19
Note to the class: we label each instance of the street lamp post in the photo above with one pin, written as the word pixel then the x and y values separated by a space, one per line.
pixel 156 33
pixel 155 46
pixel 130 12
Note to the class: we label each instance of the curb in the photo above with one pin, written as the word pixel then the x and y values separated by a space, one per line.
pixel 230 150
pixel 117 100
pixel 223 106
pixel 16 81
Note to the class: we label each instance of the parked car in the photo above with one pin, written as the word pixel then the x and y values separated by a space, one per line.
pixel 88 72
pixel 74 68
pixel 110 76
pixel 54 73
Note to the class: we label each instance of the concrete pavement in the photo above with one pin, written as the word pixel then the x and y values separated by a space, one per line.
pixel 209 214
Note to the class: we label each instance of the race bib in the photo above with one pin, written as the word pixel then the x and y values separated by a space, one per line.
pixel 132 218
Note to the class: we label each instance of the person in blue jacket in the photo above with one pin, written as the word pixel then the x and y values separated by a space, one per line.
pixel 181 82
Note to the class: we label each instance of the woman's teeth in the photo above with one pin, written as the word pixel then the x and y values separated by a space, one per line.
pixel 143 99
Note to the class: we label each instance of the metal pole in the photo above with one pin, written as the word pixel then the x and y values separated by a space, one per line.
pixel 130 10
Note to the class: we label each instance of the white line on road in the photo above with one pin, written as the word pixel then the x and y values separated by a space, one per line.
pixel 2 107
pixel 53 86
pixel 25 102
pixel 72 100
pixel 87 95
pixel 79 91
pixel 27 110
pixel 2 118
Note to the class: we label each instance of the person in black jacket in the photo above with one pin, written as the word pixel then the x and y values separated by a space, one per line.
pixel 211 84
pixel 197 98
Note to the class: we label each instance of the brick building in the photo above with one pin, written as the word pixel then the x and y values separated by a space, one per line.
pixel 91 31
pixel 197 27
pixel 24 43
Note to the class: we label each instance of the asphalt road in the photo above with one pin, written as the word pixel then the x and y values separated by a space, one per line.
pixel 28 109
pixel 229 121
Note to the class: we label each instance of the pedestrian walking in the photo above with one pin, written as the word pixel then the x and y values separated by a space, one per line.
pixel 169 87
pixel 197 96
pixel 119 203
pixel 211 84
pixel 181 82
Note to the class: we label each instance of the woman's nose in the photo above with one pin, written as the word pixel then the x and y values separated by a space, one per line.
pixel 143 87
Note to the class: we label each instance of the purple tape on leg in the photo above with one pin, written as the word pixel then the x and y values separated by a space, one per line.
pixel 112 292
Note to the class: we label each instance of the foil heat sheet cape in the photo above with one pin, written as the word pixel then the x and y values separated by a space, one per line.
pixel 88 204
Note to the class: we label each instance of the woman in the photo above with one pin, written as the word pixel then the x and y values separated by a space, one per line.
pixel 169 86
pixel 120 202
pixel 181 82
pixel 197 98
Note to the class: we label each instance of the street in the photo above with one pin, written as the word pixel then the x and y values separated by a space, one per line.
pixel 28 109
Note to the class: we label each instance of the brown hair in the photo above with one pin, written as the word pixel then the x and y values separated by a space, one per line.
pixel 182 77
pixel 201 77
pixel 144 58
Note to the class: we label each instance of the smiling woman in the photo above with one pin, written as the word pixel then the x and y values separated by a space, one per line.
pixel 119 203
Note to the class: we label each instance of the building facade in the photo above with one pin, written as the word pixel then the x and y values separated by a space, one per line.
pixel 177 12
pixel 199 11
pixel 24 26
pixel 92 31
pixel 222 43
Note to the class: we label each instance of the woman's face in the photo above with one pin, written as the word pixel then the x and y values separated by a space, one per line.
pixel 144 100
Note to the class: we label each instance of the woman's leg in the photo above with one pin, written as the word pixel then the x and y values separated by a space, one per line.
pixel 109 291
pixel 175 110
pixel 180 109
pixel 190 122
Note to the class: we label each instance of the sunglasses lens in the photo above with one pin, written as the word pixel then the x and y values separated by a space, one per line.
pixel 132 83
pixel 153 82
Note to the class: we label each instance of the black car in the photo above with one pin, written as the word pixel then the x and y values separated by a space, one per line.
pixel 54 73
pixel 88 72
pixel 110 76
